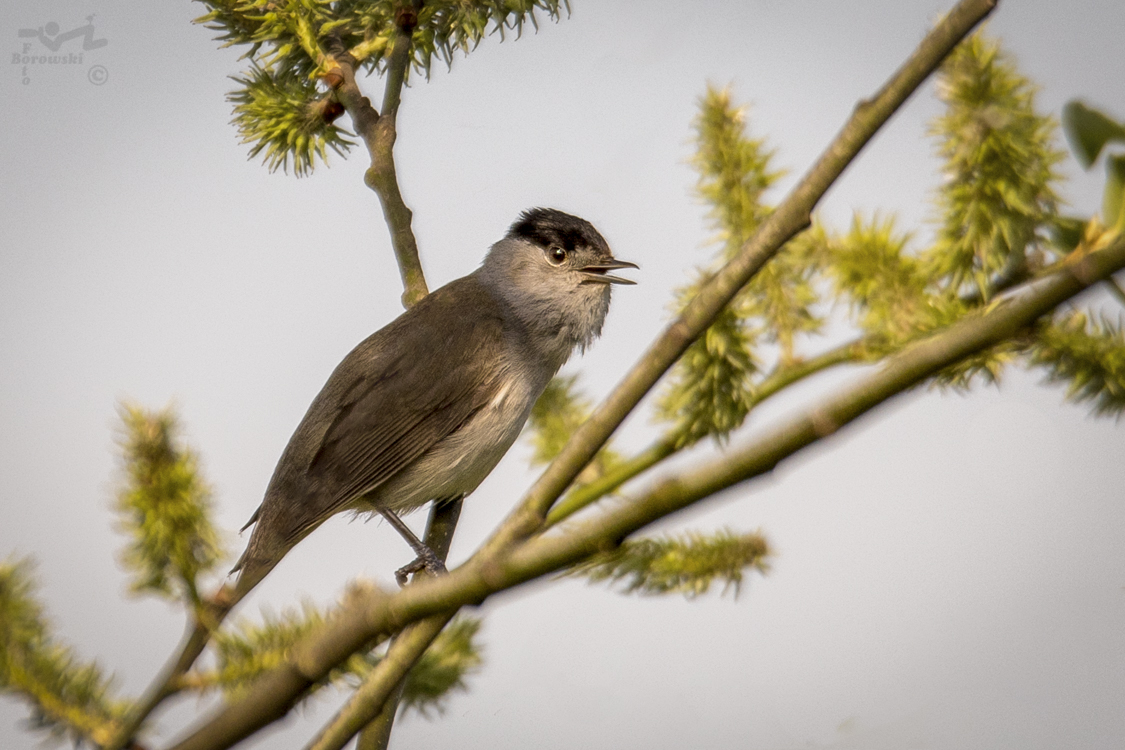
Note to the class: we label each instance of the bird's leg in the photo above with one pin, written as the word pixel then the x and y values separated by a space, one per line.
pixel 425 560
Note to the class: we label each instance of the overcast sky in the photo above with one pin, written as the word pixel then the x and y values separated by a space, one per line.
pixel 950 570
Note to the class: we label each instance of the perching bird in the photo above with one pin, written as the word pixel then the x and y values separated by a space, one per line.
pixel 424 408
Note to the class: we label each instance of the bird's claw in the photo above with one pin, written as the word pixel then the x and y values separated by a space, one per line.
pixel 426 561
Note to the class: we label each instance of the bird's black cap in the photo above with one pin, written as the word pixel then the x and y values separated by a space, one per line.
pixel 549 226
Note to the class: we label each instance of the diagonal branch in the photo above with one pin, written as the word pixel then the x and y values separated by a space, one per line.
pixel 668 445
pixel 381 686
pixel 900 372
pixel 372 613
pixel 790 218
pixel 168 681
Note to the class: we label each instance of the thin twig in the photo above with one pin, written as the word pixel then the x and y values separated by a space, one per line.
pixel 379 133
pixel 584 495
pixel 167 682
pixel 380 136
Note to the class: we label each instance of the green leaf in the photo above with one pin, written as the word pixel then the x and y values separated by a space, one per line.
pixel 278 109
pixel 1113 200
pixel 997 203
pixel 687 564
pixel 889 289
pixel 1088 131
pixel 558 412
pixel 709 391
pixel 1088 356
pixel 987 365
pixel 281 113
pixel 735 170
pixel 164 506
pixel 67 697
pixel 245 649
pixel 453 656
pixel 1067 232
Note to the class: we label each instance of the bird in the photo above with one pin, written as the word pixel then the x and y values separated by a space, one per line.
pixel 423 409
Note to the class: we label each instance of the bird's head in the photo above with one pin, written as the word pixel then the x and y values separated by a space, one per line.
pixel 554 270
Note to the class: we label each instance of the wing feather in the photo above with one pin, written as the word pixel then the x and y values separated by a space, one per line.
pixel 391 400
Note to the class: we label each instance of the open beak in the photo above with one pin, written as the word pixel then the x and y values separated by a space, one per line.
pixel 598 272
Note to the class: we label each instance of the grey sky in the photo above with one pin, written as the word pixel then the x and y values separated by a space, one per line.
pixel 951 571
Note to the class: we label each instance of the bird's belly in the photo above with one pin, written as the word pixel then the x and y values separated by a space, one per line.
pixel 459 463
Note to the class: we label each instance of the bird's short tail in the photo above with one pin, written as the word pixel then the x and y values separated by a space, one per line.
pixel 251 569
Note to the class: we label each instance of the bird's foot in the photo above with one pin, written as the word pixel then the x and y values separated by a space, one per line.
pixel 426 561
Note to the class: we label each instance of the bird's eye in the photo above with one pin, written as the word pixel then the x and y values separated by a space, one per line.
pixel 556 255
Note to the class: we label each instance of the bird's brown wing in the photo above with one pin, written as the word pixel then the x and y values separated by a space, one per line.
pixel 395 396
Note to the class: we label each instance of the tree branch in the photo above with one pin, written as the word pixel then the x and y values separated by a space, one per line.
pixel 666 446
pixel 783 377
pixel 899 373
pixel 367 703
pixel 381 718
pixel 168 681
pixel 399 59
pixel 379 134
pixel 791 217
pixel 586 494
